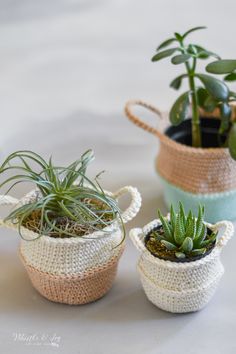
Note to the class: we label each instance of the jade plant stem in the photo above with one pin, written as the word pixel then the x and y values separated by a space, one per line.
pixel 196 132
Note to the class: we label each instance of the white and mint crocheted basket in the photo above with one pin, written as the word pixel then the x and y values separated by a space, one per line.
pixel 180 287
pixel 193 176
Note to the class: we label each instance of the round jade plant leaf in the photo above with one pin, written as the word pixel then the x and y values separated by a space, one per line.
pixel 210 104
pixel 202 95
pixel 164 54
pixel 193 30
pixel 180 108
pixel 223 66
pixel 181 58
pixel 216 88
pixel 232 141
pixel 230 77
pixel 225 110
pixel 166 43
pixel 176 83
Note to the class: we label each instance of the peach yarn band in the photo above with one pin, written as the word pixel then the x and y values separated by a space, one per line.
pixel 195 170
pixel 74 289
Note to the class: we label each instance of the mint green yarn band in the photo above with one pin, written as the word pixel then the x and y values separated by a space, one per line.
pixel 218 206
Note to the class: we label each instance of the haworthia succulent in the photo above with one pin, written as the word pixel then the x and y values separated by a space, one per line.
pixel 186 235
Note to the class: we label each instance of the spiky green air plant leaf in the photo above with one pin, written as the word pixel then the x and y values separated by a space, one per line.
pixel 64 193
pixel 185 235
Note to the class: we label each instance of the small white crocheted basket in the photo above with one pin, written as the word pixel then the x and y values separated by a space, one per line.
pixel 73 270
pixel 180 287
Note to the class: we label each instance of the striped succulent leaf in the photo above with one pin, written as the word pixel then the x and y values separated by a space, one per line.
pixel 186 235
pixel 179 232
pixel 166 227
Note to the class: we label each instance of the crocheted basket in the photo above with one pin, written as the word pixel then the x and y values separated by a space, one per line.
pixel 180 287
pixel 74 270
pixel 192 175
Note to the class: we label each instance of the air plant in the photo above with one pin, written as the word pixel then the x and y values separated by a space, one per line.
pixel 69 203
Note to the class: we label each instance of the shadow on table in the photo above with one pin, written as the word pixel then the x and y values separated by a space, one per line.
pixel 127 302
pixel 14 284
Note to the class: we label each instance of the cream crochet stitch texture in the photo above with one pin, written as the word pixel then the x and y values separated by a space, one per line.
pixel 180 287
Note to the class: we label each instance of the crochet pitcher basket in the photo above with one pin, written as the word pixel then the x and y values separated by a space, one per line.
pixel 192 175
pixel 74 270
pixel 180 287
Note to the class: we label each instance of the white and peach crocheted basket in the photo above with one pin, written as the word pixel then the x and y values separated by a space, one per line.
pixel 73 270
pixel 180 287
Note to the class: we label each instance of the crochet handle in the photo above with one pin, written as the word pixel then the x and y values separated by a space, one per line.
pixel 135 204
pixel 7 200
pixel 136 237
pixel 228 232
pixel 136 120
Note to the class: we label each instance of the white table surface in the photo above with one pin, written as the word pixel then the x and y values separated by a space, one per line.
pixel 67 67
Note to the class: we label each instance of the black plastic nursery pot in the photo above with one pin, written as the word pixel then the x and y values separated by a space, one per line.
pixel 168 256
pixel 209 129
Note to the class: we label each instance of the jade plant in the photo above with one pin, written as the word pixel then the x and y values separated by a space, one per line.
pixel 184 235
pixel 204 91
pixel 226 67
pixel 68 202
